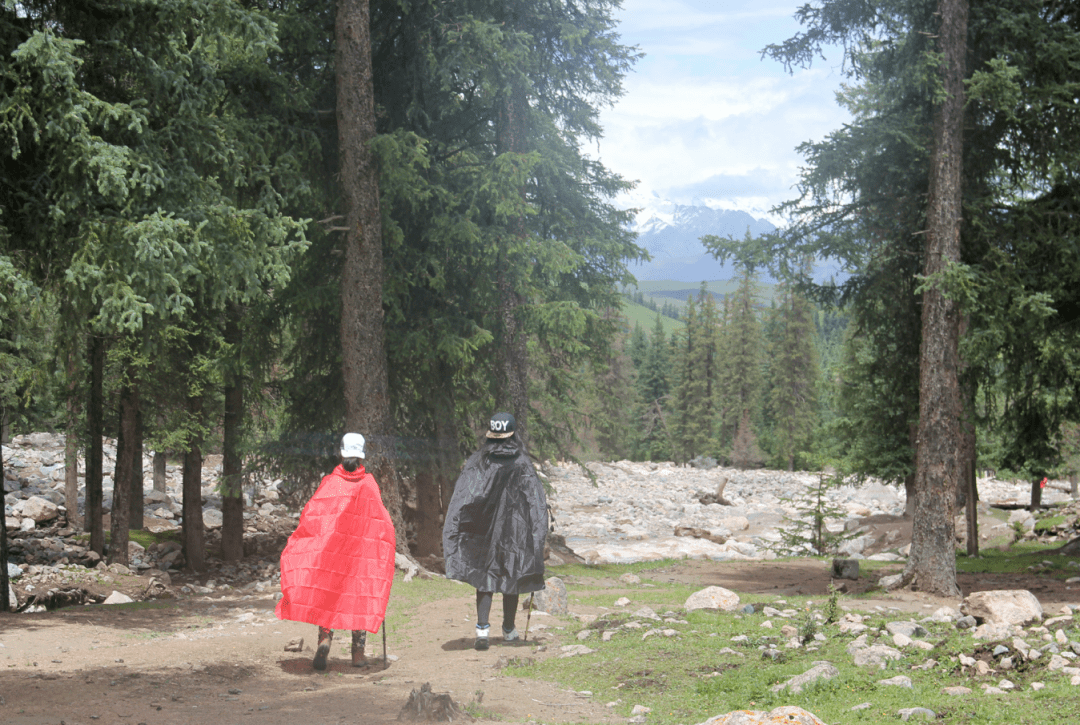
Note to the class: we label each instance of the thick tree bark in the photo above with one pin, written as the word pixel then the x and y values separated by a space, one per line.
pixel 71 450
pixel 193 539
pixel 1036 493
pixel 95 422
pixel 435 478
pixel 232 491
pixel 160 461
pixel 939 463
pixel 5 603
pixel 513 374
pixel 135 517
pixel 122 477
pixel 363 350
pixel 972 508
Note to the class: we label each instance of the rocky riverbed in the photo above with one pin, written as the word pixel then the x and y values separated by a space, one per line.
pixel 614 512
pixel 631 511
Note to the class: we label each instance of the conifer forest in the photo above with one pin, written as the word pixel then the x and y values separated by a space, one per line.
pixel 246 226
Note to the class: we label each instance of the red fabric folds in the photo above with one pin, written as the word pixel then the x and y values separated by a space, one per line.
pixel 337 569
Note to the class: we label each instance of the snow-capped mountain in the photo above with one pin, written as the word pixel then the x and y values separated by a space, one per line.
pixel 672 232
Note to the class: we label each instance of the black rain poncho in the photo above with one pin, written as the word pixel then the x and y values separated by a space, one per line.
pixel 497 522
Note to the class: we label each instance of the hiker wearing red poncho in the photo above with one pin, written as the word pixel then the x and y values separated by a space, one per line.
pixel 338 566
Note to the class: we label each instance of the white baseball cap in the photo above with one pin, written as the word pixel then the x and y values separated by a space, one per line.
pixel 352 445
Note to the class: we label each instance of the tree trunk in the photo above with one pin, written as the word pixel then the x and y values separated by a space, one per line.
pixel 95 422
pixel 135 517
pixel 232 490
pixel 968 493
pixel 160 461
pixel 1036 493
pixel 5 603
pixel 193 539
pixel 513 390
pixel 932 565
pixel 363 351
pixel 909 490
pixel 124 473
pixel 71 449
pixel 435 479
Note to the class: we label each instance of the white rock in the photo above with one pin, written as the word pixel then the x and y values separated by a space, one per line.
pixel 898 681
pixel 118 598
pixel 820 671
pixel 876 655
pixel 39 509
pixel 212 518
pixel 1011 606
pixel 712 598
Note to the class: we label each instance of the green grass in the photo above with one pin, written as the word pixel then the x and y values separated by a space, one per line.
pixel 1049 523
pixel 687 679
pixel 640 315
pixel 722 286
pixel 1021 557
pixel 143 538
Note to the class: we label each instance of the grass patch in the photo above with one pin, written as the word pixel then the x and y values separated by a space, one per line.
pixel 715 662
pixel 1019 558
pixel 1049 522
pixel 143 538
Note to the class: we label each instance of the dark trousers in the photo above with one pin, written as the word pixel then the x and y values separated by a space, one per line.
pixel 483 609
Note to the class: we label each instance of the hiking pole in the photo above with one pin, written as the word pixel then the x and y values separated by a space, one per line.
pixel 528 618
pixel 385 662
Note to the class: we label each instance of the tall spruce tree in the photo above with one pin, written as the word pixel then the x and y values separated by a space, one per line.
pixel 687 390
pixel 653 391
pixel 794 376
pixel 742 375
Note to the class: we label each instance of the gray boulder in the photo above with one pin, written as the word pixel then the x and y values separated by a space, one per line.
pixel 876 656
pixel 552 598
pixel 1008 606
pixel 788 715
pixel 39 509
pixel 820 671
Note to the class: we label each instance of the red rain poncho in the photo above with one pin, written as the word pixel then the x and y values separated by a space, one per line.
pixel 338 566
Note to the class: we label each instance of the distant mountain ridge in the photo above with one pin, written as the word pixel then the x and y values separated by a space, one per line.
pixel 672 234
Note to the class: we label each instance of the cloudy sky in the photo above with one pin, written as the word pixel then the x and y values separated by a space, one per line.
pixel 704 116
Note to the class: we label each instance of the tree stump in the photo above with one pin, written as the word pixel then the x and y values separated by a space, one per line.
pixel 424 705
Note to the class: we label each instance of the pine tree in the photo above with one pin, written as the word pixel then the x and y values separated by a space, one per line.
pixel 688 386
pixel 794 376
pixel 612 419
pixel 742 374
pixel 639 347
pixel 653 388
pixel 702 385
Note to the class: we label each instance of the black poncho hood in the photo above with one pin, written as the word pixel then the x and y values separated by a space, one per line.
pixel 497 522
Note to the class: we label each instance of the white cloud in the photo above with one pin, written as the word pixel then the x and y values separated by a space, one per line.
pixel 702 106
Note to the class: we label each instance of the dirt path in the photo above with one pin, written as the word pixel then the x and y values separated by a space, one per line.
pixel 220 660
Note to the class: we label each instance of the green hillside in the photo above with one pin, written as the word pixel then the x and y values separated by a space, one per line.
pixel 636 313
pixel 666 290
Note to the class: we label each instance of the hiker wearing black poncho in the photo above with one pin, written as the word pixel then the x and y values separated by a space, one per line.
pixel 496 526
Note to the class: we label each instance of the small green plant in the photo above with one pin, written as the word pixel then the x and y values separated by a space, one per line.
pixel 832 606
pixel 809 626
pixel 808 532
pixel 1018 531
